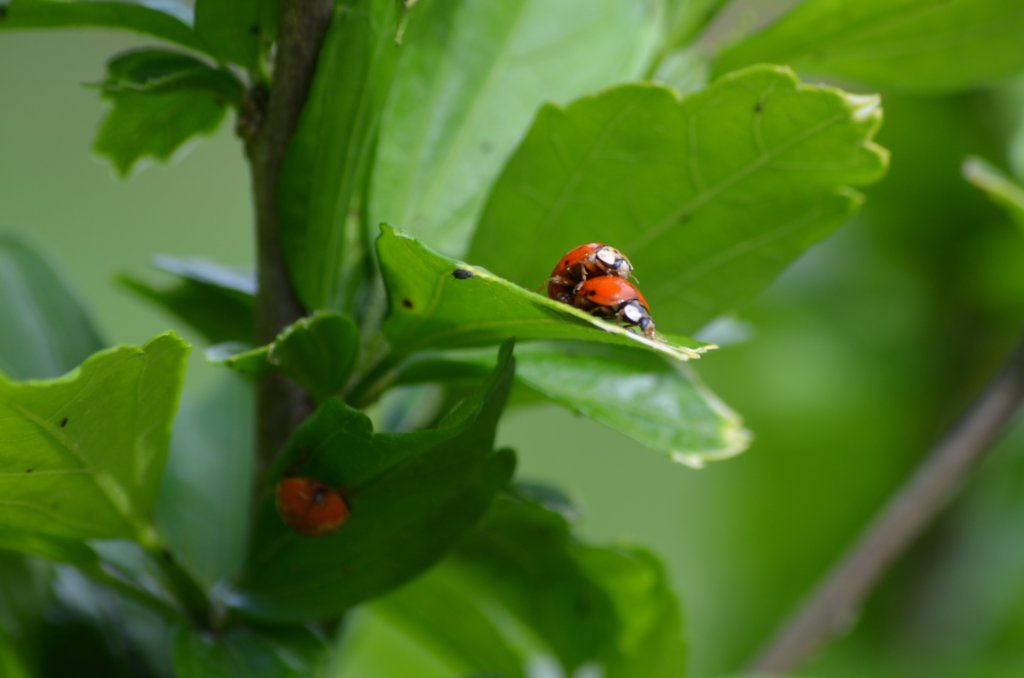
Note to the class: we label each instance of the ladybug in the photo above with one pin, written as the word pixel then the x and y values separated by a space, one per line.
pixel 310 507
pixel 583 262
pixel 613 297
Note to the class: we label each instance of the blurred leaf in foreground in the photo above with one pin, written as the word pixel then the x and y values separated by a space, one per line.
pixel 81 456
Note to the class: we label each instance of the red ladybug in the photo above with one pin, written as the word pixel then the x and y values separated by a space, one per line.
pixel 309 506
pixel 583 262
pixel 613 297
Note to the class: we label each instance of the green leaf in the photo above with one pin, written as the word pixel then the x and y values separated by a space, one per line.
pixel 52 548
pixel 440 611
pixel 470 79
pixel 159 71
pixel 912 45
pixel 711 196
pixel 81 456
pixel 685 19
pixel 412 497
pixel 160 100
pixel 605 606
pixel 237 30
pixel 431 308
pixel 218 302
pixel 251 652
pixel 652 399
pixel 204 507
pixel 47 331
pixel 41 14
pixel 317 352
pixel 328 159
pixel 999 187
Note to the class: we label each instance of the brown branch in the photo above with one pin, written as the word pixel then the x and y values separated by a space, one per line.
pixel 833 605
pixel 303 23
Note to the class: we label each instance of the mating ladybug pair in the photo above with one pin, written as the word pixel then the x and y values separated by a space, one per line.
pixel 595 277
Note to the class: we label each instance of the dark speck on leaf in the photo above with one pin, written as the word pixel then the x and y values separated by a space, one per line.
pixel 407 303
pixel 684 218
pixel 759 107
pixel 28 470
pixel 486 147
pixel 168 556
pixel 63 422
pixel 583 607
pixel 462 274
pixel 3 12
pixel 254 29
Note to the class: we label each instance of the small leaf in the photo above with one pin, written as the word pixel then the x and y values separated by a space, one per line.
pixel 154 125
pixel 159 71
pixel 329 156
pixel 237 30
pixel 431 307
pixel 52 548
pixel 912 45
pixel 270 652
pixel 711 196
pixel 216 301
pixel 317 352
pixel 204 507
pixel 47 331
pixel 81 456
pixel 160 100
pixel 36 14
pixel 412 497
pixel 643 395
pixel 471 77
pixel 999 187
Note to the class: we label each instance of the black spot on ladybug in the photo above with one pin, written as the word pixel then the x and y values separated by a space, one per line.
pixel 759 107
pixel 462 274
pixel 407 302
pixel 28 470
pixel 63 422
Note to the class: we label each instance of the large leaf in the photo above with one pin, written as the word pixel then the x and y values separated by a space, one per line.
pixel 999 187
pixel 913 45
pixel 237 30
pixel 46 331
pixel 329 156
pixel 37 14
pixel 711 196
pixel 471 77
pixel 251 652
pixel 412 497
pixel 431 307
pixel 204 506
pixel 81 455
pixel 218 302
pixel 643 395
pixel 605 606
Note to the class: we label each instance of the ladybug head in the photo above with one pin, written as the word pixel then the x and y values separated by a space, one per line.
pixel 615 261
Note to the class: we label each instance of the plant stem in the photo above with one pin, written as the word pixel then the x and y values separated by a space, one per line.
pixel 834 604
pixel 302 25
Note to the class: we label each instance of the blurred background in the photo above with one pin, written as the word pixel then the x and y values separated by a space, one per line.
pixel 857 360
